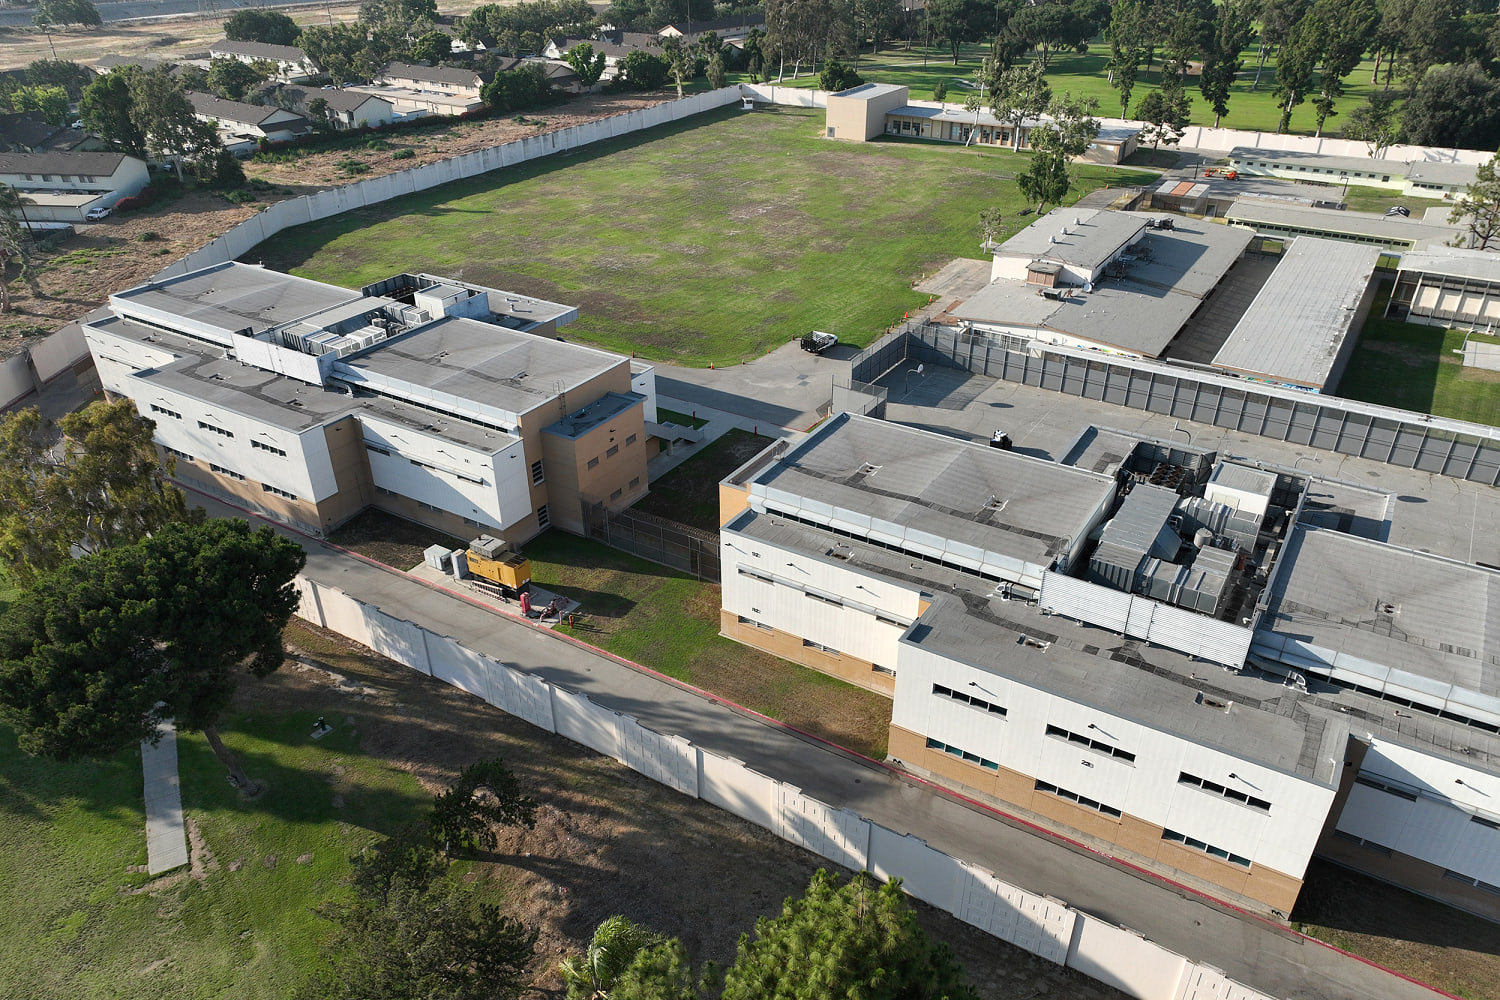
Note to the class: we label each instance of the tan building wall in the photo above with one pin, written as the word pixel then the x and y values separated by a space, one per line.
pixel 861 119
pixel 606 465
pixel 732 500
pixel 1421 877
pixel 1139 841
pixel 860 673
pixel 529 429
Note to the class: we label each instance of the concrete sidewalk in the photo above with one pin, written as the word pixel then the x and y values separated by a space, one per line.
pixel 1254 952
pixel 166 835
pixel 720 422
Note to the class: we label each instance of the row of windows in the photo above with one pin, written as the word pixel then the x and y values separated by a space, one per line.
pixel 1268 229
pixel 610 452
pixel 226 472
pixel 779 512
pixel 1098 746
pixel 1229 793
pixel 268 488
pixel 177 454
pixel 266 447
pixel 1385 178
pixel 437 468
pixel 217 430
pixel 884 619
pixel 538 473
pixel 978 703
pixel 808 643
pixel 1083 800
pixel 1209 849
pixel 760 625
pixel 1389 787
pixel 1380 849
pixel 165 412
pixel 1470 880
pixel 377 449
pixel 972 758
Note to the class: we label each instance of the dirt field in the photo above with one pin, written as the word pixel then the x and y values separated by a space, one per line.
pixel 607 840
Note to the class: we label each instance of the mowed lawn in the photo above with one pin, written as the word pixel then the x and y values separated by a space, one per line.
pixel 1420 368
pixel 712 240
pixel 78 922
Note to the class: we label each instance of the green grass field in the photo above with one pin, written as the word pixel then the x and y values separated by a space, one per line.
pixel 76 925
pixel 1085 75
pixel 1416 368
pixel 713 240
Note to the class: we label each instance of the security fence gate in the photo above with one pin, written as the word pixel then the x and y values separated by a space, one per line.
pixel 678 546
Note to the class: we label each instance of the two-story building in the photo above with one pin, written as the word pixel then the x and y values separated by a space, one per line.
pixel 239 123
pixel 63 187
pixel 290 64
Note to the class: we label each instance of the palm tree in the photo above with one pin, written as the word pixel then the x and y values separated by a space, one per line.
pixel 615 944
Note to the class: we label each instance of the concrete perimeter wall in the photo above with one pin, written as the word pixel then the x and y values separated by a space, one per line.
pixel 1043 926
pixel 49 357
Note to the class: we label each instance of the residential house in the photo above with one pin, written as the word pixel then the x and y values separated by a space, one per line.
pixel 238 122
pixel 29 132
pixel 62 187
pixel 345 109
pixel 728 29
pixel 291 63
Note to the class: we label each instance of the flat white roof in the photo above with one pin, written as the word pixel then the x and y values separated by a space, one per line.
pixel 1454 262
pixel 1296 326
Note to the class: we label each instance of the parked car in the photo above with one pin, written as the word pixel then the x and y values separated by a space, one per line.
pixel 95 214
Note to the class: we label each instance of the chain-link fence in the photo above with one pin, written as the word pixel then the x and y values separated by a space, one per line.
pixel 678 546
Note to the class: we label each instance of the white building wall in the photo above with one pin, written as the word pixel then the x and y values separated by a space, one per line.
pixel 1439 827
pixel 783 603
pixel 490 488
pixel 306 471
pixel 1147 788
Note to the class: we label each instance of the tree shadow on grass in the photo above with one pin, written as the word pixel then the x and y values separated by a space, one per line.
pixel 31 787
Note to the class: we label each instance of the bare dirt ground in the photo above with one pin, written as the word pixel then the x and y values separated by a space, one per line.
pixel 607 840
pixel 77 274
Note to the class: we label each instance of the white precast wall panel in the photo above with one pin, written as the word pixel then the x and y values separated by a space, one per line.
pixel 1042 926
pixel 490 488
pixel 1203 983
pixel 523 695
pixel 1125 960
pixel 461 667
pixel 581 721
pixel 399 640
pixel 837 834
pixel 926 873
pixel 733 787
pixel 344 615
pixel 667 760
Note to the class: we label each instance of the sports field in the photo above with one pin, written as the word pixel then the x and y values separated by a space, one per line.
pixel 713 240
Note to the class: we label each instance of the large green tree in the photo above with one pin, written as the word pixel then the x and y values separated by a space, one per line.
pixel 85 484
pixel 1166 113
pixel 1017 95
pixel 83 12
pixel 418 932
pixel 859 939
pixel 1296 61
pixel 232 79
pixel 465 814
pixel 588 64
pixel 1348 29
pixel 955 22
pixel 1128 31
pixel 98 653
pixel 613 949
pixel 254 24
pixel 1454 106
pixel 1221 59
pixel 1375 122
pixel 70 76
pixel 162 113
pixel 105 109
pixel 1479 208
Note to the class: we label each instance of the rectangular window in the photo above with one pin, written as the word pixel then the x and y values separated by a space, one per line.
pixel 877 668
pixel 1083 800
pixel 1485 821
pixel 635 482
pixel 226 472
pixel 752 574
pixel 425 506
pixel 177 454
pixel 1098 746
pixel 826 600
pixel 385 492
pixel 538 474
pixel 165 412
pixel 1470 880
pixel 630 439
pixel 612 451
pixel 968 699
pixel 1214 788
pixel 617 494
pixel 265 447
pixel 760 625
pixel 886 620
pixel 593 462
pixel 1380 849
pixel 819 646
pixel 1209 849
pixel 377 449
pixel 542 517
pixel 972 758
pixel 268 488
pixel 216 430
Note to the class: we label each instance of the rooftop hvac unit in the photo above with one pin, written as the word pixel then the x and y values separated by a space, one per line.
pixel 489 546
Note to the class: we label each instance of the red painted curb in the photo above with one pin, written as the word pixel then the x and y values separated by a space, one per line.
pixel 812 737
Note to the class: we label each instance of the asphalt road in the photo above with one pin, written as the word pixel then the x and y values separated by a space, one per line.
pixel 1252 951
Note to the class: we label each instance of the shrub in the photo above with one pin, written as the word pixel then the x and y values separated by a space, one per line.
pixel 940 91
pixel 131 203
pixel 350 166
pixel 404 154
pixel 836 77
pixel 148 236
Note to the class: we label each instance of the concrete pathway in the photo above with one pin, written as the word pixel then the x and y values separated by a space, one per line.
pixel 1254 952
pixel 720 422
pixel 166 835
